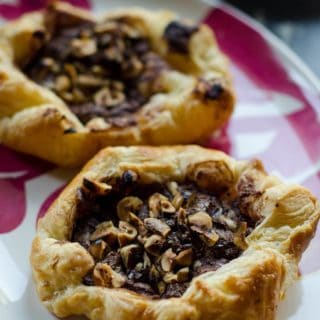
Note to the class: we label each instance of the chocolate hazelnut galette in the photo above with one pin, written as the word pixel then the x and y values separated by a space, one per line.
pixel 171 233
pixel 72 84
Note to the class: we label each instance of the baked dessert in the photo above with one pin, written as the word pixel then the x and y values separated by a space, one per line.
pixel 171 233
pixel 72 83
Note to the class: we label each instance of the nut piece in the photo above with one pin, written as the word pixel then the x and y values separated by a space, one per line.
pixel 201 220
pixel 184 258
pixel 107 231
pixel 172 187
pixel 167 260
pixel 209 237
pixel 128 205
pixel 154 274
pixel 126 234
pixel 129 254
pixel 156 225
pixel 83 47
pixel 170 277
pixel 104 276
pixel 183 275
pixel 177 201
pixel 167 207
pixel 97 249
pixel 161 287
pixel 154 244
pixel 232 225
pixel 154 204
pixel 62 83
pixel 240 236
pixel 182 216
pixel 99 188
pixel 106 97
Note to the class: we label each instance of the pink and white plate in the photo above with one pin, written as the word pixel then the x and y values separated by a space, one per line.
pixel 277 119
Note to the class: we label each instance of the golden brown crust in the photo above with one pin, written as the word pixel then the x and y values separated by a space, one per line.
pixel 248 287
pixel 168 118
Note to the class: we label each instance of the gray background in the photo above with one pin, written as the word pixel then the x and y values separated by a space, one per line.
pixel 296 22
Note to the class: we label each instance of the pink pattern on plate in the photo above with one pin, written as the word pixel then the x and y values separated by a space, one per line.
pixel 15 170
pixel 13 11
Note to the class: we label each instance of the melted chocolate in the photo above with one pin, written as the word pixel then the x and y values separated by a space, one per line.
pixel 200 226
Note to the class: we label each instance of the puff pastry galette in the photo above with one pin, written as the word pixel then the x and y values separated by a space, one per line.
pixel 72 83
pixel 171 233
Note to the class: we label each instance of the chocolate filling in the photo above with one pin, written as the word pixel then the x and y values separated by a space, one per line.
pixel 106 69
pixel 153 239
pixel 178 36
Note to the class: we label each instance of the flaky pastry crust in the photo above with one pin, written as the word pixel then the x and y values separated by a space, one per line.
pixel 35 120
pixel 248 287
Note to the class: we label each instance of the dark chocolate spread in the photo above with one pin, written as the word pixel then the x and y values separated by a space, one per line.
pixel 153 239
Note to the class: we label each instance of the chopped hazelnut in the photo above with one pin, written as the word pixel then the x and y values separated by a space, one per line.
pixel 201 220
pixel 126 206
pixel 172 187
pixel 129 255
pixel 104 276
pixel 154 274
pixel 83 47
pixel 209 237
pixel 170 277
pixel 156 225
pixel 184 258
pixel 154 244
pixel 183 275
pixel 126 234
pixel 177 201
pixel 107 231
pixel 97 249
pixel 167 260
pixel 154 204
pixel 62 83
pixel 240 236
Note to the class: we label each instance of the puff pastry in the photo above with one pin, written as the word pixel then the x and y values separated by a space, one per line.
pixel 72 83
pixel 177 232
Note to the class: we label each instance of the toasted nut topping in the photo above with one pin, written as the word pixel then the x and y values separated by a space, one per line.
pixel 154 274
pixel 161 287
pixel 71 72
pixel 184 258
pixel 99 188
pixel 156 225
pixel 127 233
pixel 201 220
pixel 128 255
pixel 155 205
pixel 167 260
pixel 170 277
pixel 240 236
pixel 154 244
pixel 97 249
pixel 232 225
pixel 182 216
pixel 146 261
pixel 104 276
pixel 183 274
pixel 106 97
pixel 83 47
pixel 177 201
pixel 209 237
pixel 172 187
pixel 102 230
pixel 167 207
pixel 86 80
pixel 128 205
pixel 62 83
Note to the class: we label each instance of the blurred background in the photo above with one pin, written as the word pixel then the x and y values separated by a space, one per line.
pixel 296 22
